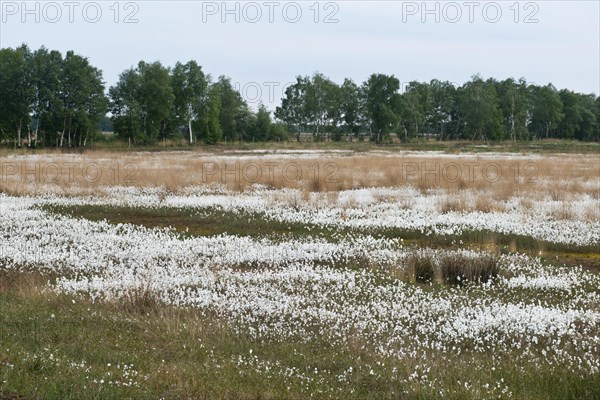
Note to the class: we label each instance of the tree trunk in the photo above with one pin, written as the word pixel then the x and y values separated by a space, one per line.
pixel 457 127
pixel 19 134
pixel 62 134
pixel 37 129
pixel 474 136
pixel 190 129
pixel 512 120
pixel 69 132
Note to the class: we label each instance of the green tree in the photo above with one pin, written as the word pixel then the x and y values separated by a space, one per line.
pixel 92 110
pixel 589 123
pixel 46 94
pixel 479 106
pixel 190 90
pixel 125 106
pixel 350 107
pixel 380 94
pixel 293 110
pixel 245 124
pixel 155 96
pixel 440 104
pixel 47 75
pixel 515 106
pixel 569 123
pixel 231 104
pixel 142 102
pixel 82 100
pixel 547 110
pixel 596 133
pixel 278 132
pixel 321 103
pixel 263 123
pixel 579 119
pixel 17 94
pixel 413 107
pixel 213 124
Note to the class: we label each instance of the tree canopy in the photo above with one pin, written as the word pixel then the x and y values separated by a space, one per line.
pixel 51 99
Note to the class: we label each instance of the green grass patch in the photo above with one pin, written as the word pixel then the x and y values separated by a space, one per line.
pixel 58 347
pixel 207 222
pixel 190 222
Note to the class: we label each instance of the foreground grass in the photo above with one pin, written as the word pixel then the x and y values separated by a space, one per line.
pixel 208 222
pixel 57 347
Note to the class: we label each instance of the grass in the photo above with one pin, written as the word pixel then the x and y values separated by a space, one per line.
pixel 500 178
pixel 451 269
pixel 457 270
pixel 212 222
pixel 110 143
pixel 194 223
pixel 57 347
pixel 420 269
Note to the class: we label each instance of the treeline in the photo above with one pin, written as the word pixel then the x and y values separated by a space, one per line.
pixel 48 99
pixel 152 102
pixel 51 100
pixel 478 110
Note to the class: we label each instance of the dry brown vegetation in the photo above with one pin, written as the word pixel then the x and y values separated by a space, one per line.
pixel 455 203
pixel 453 269
pixel 495 177
pixel 191 353
pixel 25 284
pixel 564 212
pixel 487 204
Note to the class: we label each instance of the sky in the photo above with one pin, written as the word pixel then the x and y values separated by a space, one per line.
pixel 263 45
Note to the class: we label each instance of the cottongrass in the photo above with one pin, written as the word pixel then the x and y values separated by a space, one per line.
pixel 314 290
pixel 367 209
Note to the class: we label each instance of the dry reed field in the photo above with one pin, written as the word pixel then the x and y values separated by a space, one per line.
pixel 503 175
pixel 300 274
pixel 470 182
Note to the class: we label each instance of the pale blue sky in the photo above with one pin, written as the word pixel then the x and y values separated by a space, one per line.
pixel 562 47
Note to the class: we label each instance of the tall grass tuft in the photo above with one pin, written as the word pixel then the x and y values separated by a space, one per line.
pixel 450 268
pixel 457 269
pixel 139 301
pixel 420 268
